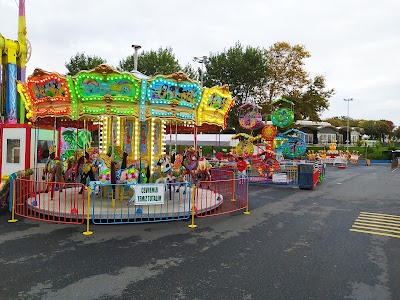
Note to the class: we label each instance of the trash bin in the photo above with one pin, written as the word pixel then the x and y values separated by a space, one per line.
pixel 305 175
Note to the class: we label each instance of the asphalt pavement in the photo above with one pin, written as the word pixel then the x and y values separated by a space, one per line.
pixel 295 244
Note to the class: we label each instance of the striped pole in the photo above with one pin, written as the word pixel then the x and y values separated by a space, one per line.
pixel 88 232
pixel 13 187
pixel 193 209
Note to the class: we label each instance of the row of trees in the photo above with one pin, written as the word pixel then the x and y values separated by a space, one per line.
pixel 252 73
pixel 376 129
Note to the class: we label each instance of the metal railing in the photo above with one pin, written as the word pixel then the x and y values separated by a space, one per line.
pixel 221 197
pixel 74 203
pixel 116 204
pixel 49 201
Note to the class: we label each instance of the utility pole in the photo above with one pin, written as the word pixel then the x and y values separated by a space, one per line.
pixel 135 58
pixel 201 60
pixel 348 119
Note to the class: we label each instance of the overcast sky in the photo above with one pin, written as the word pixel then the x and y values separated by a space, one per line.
pixel 354 44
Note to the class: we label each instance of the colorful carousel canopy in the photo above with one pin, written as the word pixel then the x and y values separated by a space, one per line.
pixel 104 91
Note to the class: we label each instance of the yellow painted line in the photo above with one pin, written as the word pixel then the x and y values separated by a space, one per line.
pixel 377 233
pixel 386 230
pixel 368 213
pixel 377 222
pixel 373 225
pixel 378 219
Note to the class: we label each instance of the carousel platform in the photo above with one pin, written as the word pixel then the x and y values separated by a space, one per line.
pixel 70 204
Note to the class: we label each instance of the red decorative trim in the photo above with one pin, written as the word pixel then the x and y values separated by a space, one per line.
pixel 42 81
pixel 15 126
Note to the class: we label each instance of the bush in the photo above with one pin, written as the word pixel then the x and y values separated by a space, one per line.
pixel 378 153
pixel 391 146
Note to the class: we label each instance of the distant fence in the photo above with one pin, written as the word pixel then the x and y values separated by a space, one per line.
pixel 304 175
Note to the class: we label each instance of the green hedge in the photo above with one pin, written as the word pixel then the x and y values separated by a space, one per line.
pixel 380 153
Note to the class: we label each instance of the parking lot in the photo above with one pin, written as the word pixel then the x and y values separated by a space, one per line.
pixel 295 244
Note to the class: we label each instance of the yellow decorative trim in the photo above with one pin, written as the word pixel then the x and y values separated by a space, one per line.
pixel 179 76
pixel 174 103
pixel 108 98
pixel 39 73
pixel 104 70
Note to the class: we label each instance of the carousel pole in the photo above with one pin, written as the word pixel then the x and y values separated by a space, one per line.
pixel 170 138
pixel 112 164
pixel 84 136
pixel 195 137
pixel 54 131
pixel 99 122
pixel 176 137
pixel 36 158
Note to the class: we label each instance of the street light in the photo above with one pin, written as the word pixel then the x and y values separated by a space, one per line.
pixel 135 58
pixel 201 60
pixel 348 128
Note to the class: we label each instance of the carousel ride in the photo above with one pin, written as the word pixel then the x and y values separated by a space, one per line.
pixel 112 128
pixel 335 156
pixel 267 151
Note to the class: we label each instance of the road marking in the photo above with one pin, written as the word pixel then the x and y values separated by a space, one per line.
pixel 373 225
pixel 378 224
pixel 382 215
pixel 376 233
pixel 378 219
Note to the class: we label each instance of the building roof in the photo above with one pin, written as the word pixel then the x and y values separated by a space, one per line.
pixel 139 74
pixel 223 140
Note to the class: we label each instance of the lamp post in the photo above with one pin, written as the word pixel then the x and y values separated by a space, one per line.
pixel 135 63
pixel 348 128
pixel 135 57
pixel 201 60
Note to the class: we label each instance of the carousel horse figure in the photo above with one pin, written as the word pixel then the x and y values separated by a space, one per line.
pixel 53 171
pixel 108 174
pixel 166 167
pixel 167 178
pixel 203 169
pixel 178 172
pixel 70 166
pixel 191 163
pixel 85 169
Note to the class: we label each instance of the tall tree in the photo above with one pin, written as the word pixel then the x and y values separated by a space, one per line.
pixel 396 132
pixel 376 129
pixel 336 121
pixel 243 69
pixel 288 78
pixel 390 126
pixel 81 61
pixel 191 72
pixel 286 74
pixel 152 62
pixel 313 101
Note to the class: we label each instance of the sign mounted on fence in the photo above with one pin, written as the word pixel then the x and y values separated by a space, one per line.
pixel 279 177
pixel 149 194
